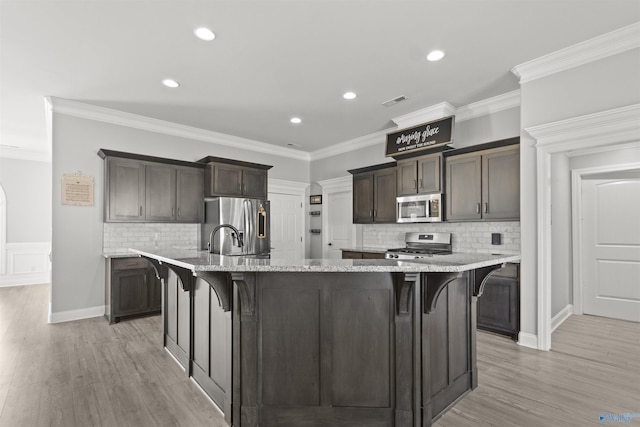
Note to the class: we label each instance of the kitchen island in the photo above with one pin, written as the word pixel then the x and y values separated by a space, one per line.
pixel 316 342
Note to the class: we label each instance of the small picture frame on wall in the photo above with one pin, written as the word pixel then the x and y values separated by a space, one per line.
pixel 315 200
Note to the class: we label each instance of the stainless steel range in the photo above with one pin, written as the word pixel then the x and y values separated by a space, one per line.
pixel 422 245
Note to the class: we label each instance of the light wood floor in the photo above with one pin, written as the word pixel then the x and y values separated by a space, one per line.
pixel 88 373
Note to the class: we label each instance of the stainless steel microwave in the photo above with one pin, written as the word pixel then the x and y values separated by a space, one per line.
pixel 419 208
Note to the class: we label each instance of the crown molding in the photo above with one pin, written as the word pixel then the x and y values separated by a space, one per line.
pixel 351 145
pixel 434 112
pixel 600 47
pixel 281 186
pixel 611 127
pixel 20 154
pixel 488 106
pixel 337 185
pixel 121 118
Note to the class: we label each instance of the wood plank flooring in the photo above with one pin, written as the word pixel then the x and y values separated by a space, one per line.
pixel 88 373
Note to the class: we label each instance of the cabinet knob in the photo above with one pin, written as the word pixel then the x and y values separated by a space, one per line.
pixel 486 207
pixel 330 244
pixel 478 208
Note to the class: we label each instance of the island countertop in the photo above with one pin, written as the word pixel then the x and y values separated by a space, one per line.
pixel 198 260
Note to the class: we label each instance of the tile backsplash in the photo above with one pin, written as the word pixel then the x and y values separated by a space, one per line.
pixel 466 236
pixel 119 237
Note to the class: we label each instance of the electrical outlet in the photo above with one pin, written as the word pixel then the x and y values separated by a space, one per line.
pixel 496 238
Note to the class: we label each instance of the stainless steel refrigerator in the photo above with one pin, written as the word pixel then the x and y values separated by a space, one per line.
pixel 250 217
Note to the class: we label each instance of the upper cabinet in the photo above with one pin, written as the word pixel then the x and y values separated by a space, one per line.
pixel 483 185
pixel 374 194
pixel 150 189
pixel 419 175
pixel 225 177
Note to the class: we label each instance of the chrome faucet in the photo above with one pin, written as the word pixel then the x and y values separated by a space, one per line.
pixel 238 236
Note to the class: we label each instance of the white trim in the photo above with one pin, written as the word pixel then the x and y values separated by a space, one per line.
pixel 611 127
pixel 121 118
pixel 351 145
pixel 281 186
pixel 561 317
pixel 27 263
pixel 600 47
pixel 337 185
pixel 488 106
pixel 434 112
pixel 608 128
pixel 577 175
pixel 21 154
pixel 70 315
pixel 528 340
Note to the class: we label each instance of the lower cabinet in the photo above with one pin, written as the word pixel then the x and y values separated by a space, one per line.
pixel 499 304
pixel 361 255
pixel 131 289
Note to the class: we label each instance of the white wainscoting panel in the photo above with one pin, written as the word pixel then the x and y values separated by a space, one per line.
pixel 27 264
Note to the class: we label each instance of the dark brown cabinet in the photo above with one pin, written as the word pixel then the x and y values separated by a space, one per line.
pixel 499 304
pixel 420 175
pixel 132 288
pixel 483 185
pixel 361 255
pixel 150 189
pixel 374 195
pixel 225 177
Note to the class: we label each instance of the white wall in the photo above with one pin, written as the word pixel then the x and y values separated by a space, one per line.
pixel 491 127
pixel 561 272
pixel 78 265
pixel 27 188
pixel 597 86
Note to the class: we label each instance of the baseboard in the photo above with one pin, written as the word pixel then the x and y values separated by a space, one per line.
pixel 528 340
pixel 561 317
pixel 83 313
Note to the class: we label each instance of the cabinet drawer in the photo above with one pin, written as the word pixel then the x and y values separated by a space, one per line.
pixel 510 271
pixel 129 263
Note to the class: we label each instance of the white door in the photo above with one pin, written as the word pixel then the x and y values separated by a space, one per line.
pixel 611 248
pixel 286 226
pixel 338 225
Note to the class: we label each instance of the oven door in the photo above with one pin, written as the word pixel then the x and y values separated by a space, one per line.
pixel 422 208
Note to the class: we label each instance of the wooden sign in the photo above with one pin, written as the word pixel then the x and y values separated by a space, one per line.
pixel 424 136
pixel 77 189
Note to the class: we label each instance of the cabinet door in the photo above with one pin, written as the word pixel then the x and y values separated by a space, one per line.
pixel 463 195
pixel 501 184
pixel 125 199
pixel 407 177
pixel 129 292
pixel 429 174
pixel 254 183
pixel 384 197
pixel 160 193
pixel 226 180
pixel 363 198
pixel 177 315
pixel 190 195
pixel 499 307
pixel 155 291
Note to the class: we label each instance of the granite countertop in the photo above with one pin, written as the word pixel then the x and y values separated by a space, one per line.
pixel 366 249
pixel 198 260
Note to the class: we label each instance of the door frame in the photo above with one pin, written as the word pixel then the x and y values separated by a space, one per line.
pixel 292 188
pixel 598 132
pixel 577 177
pixel 332 186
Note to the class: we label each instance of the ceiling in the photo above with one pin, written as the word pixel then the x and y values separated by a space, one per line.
pixel 272 60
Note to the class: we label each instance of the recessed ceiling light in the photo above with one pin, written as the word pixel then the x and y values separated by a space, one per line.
pixel 349 95
pixel 435 55
pixel 170 83
pixel 204 34
pixel 296 120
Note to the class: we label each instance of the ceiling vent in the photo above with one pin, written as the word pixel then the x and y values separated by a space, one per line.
pixel 394 101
